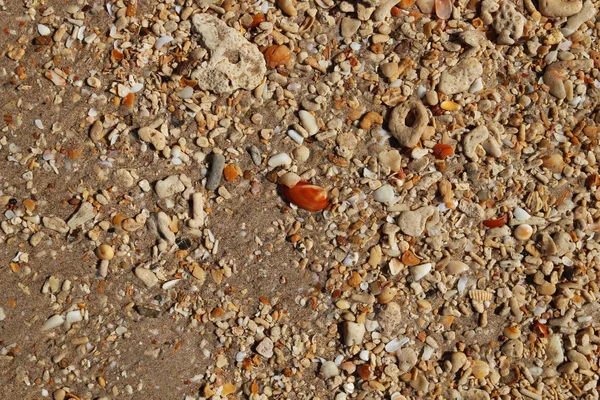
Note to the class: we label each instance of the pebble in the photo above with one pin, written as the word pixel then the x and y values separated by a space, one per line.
pixel 389 317
pixel 407 122
pixel 458 360
pixel 559 8
pixel 480 369
pixel 169 186
pixel 289 179
pixel 349 27
pixel 96 131
pixel 218 74
pixel 459 78
pixel 554 351
pixel 588 11
pixel 329 369
pixel 215 172
pixel 163 223
pixel 265 348
pixel 280 160
pixel 2 314
pixel 412 223
pixel 353 333
pixel 521 214
pixel 255 155
pixel 153 136
pixel 308 122
pixel 53 322
pixel 384 194
pixel 512 348
pixel 146 276
pixel 59 394
pixel 43 30
pixel 56 224
pixel 105 252
pixel 301 153
pixel 578 358
pixel 84 214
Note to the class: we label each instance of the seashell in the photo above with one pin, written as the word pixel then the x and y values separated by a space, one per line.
pixel 277 55
pixel 442 151
pixel 523 232
pixel 480 295
pixel 305 195
pixel 496 223
pixel 480 369
pixel 443 9
pixel 456 267
pixel 448 105
pixel 420 271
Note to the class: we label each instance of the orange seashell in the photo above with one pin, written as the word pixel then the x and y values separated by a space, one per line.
pixel 117 55
pixel 443 9
pixel 539 329
pixel 442 151
pixel 496 223
pixel 305 195
pixel 277 55
pixel 128 101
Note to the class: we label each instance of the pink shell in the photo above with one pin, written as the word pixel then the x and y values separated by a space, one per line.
pixel 443 8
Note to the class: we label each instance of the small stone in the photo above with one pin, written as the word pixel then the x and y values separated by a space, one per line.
pixel 84 214
pixel 289 179
pixel 59 394
pixel 420 382
pixel 230 173
pixel 288 7
pixel 105 252
pixel 407 122
pixel 390 70
pixel 520 214
pixel 512 332
pixel 329 370
pixel 387 295
pixel 154 137
pixel 458 360
pixel 43 30
pixel 56 224
pixel 559 8
pixel 353 333
pixel 308 122
pixel 53 322
pixel 96 131
pixel 255 155
pixel 2 314
pixel 364 371
pixel 301 153
pixel 546 289
pixel 391 159
pixel 279 160
pixel 523 232
pixel 169 186
pixel 512 348
pixel 349 27
pixel 412 223
pixel 146 276
pixel 215 172
pixel 458 79
pixel 588 11
pixel 265 348
pixel 389 318
pixel 554 351
pixel 384 194
pixel 578 358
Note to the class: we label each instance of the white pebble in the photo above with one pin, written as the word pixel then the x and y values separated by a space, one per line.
pixel 279 160
pixel 521 214
pixel 43 30
pixel 53 322
pixel 308 122
pixel 384 194
pixel 74 316
pixel 295 136
pixel 364 355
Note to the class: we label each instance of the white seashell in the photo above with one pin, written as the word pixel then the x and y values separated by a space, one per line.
pixel 308 122
pixel 170 284
pixel 162 41
pixel 290 179
pixel 74 316
pixel 521 214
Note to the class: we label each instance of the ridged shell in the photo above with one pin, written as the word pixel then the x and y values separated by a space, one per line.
pixel 480 295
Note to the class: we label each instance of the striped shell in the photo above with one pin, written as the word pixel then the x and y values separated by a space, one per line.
pixel 480 295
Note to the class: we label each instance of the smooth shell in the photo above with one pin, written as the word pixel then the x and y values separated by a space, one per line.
pixel 306 195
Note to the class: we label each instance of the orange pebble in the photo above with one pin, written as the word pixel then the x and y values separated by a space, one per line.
pixel 277 55
pixel 230 173
pixel 306 195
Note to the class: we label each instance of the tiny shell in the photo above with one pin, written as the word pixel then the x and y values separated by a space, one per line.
pixel 53 322
pixel 420 271
pixel 523 232
pixel 480 369
pixel 456 267
pixel 480 295
pixel 306 195
pixel 443 9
